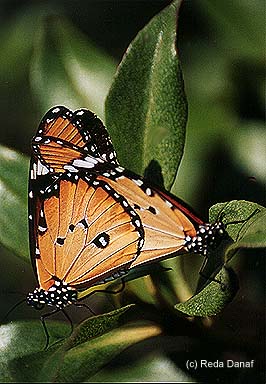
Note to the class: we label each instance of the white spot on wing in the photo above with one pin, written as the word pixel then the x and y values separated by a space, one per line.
pixel 41 169
pixel 88 162
pixel 120 169
pixel 148 191
pixel 168 203
pixel 103 241
pixel 138 182
pixel 70 168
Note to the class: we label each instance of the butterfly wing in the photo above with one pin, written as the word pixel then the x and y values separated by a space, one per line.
pixel 68 139
pixel 39 180
pixel 86 232
pixel 165 224
pixel 78 146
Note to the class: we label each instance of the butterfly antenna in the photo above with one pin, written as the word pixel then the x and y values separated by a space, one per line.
pixel 109 291
pixel 5 292
pixel 222 213
pixel 119 290
pixel 100 291
pixel 115 292
pixel 83 305
pixel 210 277
pixel 11 310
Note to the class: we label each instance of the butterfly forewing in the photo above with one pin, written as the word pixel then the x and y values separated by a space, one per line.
pixel 65 139
pixel 89 232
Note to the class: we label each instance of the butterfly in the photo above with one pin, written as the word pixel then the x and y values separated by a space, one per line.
pixel 90 219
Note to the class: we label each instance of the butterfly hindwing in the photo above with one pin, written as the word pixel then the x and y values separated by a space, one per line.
pixel 165 225
pixel 40 180
pixel 87 232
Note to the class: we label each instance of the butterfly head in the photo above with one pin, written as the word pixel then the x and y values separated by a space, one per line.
pixel 208 236
pixel 59 295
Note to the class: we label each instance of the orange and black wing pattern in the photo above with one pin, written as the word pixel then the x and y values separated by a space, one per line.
pixel 165 226
pixel 85 233
pixel 67 139
pixel 170 226
pixel 90 219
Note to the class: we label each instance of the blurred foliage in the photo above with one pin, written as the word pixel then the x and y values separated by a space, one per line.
pixel 61 52
pixel 223 66
pixel 66 68
pixel 146 109
pixel 13 196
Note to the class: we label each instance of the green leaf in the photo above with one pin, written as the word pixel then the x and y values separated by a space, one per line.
pixel 84 361
pixel 98 325
pixel 214 297
pixel 238 216
pixel 92 345
pixel 13 201
pixel 146 110
pixel 154 368
pixel 67 69
pixel 252 236
pixel 245 228
pixel 22 353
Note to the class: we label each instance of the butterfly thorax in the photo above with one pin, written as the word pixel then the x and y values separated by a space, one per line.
pixel 207 236
pixel 59 295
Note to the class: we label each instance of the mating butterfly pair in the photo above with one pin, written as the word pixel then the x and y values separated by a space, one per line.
pixel 90 219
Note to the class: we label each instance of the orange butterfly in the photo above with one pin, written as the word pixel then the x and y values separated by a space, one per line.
pixel 90 219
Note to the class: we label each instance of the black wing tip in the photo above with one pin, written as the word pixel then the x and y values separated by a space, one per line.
pixel 61 110
pixel 56 112
pixel 81 116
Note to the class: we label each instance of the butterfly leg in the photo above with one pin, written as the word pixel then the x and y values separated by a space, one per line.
pixel 99 291
pixel 44 317
pixel 83 305
pixel 209 277
pixel 119 290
